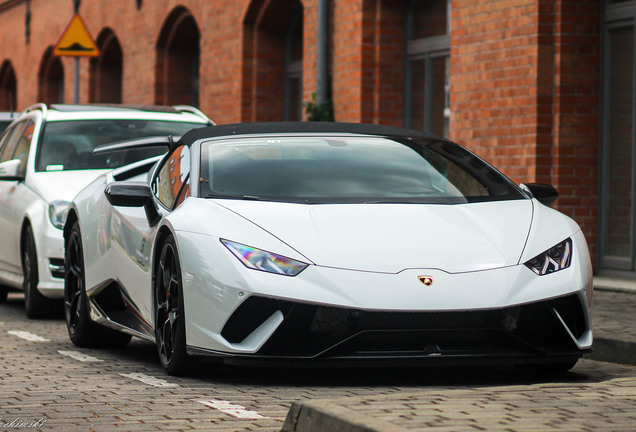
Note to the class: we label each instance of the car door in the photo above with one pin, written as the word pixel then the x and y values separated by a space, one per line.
pixel 131 228
pixel 15 145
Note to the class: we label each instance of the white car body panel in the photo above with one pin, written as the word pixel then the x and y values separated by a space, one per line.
pixel 388 238
pixel 224 283
pixel 361 257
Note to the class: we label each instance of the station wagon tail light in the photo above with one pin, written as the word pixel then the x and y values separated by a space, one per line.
pixel 556 258
pixel 258 259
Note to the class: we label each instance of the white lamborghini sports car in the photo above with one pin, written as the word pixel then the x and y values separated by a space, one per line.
pixel 329 243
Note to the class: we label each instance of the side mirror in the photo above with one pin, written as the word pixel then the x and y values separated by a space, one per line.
pixel 133 194
pixel 10 170
pixel 544 193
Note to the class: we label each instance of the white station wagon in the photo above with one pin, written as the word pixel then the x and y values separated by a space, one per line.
pixel 46 157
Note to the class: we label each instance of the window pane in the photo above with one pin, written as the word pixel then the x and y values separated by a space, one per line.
pixel 429 18
pixel 294 98
pixel 439 94
pixel 172 176
pixel 24 144
pixel 429 97
pixel 341 169
pixel 418 95
pixel 621 134
pixel 69 145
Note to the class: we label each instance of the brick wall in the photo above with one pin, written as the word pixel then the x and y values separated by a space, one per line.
pixel 525 94
pixel 524 74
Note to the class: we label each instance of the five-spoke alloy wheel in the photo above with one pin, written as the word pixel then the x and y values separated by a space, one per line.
pixel 169 311
pixel 81 330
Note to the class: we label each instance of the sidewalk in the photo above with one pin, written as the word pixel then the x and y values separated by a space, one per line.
pixel 614 326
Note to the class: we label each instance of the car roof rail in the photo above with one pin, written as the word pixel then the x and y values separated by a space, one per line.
pixel 192 110
pixel 38 106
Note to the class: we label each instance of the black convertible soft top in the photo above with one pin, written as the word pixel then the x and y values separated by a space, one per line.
pixel 302 127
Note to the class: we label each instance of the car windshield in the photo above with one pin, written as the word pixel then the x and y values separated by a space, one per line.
pixel 349 170
pixel 68 145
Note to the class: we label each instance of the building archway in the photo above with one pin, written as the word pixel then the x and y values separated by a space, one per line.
pixel 51 78
pixel 178 58
pixel 273 60
pixel 106 70
pixel 8 87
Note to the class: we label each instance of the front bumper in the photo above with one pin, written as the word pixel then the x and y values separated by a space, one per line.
pixel 50 253
pixel 327 313
pixel 545 330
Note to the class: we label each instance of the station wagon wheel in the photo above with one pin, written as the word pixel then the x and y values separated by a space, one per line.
pixel 169 311
pixel 36 305
pixel 4 291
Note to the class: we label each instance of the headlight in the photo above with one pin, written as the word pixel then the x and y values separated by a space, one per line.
pixel 265 261
pixel 57 213
pixel 554 259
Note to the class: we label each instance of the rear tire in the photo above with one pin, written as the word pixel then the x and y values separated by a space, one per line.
pixel 81 330
pixel 4 291
pixel 36 305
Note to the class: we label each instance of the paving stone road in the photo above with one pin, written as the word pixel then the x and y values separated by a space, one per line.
pixel 47 383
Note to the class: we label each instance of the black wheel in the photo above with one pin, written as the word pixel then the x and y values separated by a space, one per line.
pixel 169 311
pixel 4 291
pixel 81 330
pixel 36 305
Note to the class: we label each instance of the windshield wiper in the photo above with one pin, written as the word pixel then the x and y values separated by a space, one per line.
pixel 238 197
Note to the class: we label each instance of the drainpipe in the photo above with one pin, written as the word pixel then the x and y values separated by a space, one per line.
pixel 323 52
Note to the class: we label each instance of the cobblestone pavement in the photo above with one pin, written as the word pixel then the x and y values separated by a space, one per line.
pixel 596 402
pixel 596 396
pixel 53 386
pixel 614 315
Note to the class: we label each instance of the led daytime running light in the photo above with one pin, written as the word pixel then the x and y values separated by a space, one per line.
pixel 554 259
pixel 258 259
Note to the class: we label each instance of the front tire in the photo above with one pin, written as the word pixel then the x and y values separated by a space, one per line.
pixel 36 305
pixel 81 330
pixel 169 311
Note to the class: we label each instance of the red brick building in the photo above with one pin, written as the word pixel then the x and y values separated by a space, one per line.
pixel 543 89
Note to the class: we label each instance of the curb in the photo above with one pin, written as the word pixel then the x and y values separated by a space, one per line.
pixel 603 283
pixel 613 351
pixel 321 416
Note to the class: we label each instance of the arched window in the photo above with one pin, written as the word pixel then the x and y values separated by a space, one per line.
pixel 177 66
pixel 8 87
pixel 273 60
pixel 106 70
pixel 51 78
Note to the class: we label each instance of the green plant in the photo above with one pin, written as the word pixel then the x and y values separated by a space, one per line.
pixel 319 112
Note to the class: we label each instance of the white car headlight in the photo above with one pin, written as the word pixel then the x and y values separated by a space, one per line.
pixel 264 261
pixel 554 259
pixel 57 213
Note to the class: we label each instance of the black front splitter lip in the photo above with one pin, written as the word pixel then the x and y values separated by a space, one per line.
pixel 411 360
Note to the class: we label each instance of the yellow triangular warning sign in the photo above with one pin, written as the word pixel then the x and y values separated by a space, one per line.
pixel 76 41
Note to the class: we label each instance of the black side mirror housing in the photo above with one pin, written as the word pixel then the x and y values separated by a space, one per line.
pixel 133 194
pixel 544 193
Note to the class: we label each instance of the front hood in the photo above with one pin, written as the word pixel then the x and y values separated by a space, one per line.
pixel 61 185
pixel 392 237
